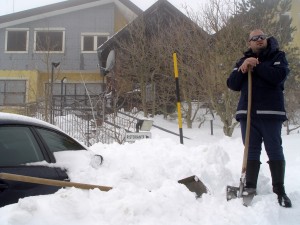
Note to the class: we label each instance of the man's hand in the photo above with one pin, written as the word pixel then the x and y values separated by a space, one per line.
pixel 248 63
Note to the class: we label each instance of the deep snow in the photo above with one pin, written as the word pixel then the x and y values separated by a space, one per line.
pixel 145 190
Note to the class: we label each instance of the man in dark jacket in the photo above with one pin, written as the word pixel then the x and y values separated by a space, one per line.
pixel 269 69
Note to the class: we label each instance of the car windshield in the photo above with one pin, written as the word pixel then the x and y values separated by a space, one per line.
pixel 18 146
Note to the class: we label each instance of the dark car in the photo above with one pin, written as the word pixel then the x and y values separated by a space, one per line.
pixel 24 141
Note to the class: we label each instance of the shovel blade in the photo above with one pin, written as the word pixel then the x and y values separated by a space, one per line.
pixel 194 184
pixel 235 192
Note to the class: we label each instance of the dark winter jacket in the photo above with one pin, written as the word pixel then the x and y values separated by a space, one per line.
pixel 268 79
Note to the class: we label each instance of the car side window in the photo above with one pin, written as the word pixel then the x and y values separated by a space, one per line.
pixel 58 141
pixel 18 146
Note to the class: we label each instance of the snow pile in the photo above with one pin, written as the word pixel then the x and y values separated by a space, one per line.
pixel 144 176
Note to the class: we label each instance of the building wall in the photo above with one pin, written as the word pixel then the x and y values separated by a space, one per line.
pixel 120 20
pixel 75 66
pixel 295 14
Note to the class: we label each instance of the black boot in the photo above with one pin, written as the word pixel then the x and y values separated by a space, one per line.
pixel 277 169
pixel 252 171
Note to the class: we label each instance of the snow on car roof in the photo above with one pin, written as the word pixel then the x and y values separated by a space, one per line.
pixel 6 118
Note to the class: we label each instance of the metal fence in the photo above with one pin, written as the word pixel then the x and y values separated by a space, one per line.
pixel 86 124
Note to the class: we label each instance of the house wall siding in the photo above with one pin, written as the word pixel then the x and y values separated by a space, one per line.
pixel 99 19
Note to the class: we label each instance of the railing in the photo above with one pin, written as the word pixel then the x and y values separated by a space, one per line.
pixel 86 124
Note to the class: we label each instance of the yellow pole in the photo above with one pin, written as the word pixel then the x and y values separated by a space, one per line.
pixel 178 97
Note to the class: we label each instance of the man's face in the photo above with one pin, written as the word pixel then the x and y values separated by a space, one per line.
pixel 257 41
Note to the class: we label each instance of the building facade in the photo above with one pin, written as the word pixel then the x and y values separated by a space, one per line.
pixel 52 50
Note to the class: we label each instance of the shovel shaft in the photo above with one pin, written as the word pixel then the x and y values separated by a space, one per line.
pixel 247 137
pixel 59 183
pixel 242 185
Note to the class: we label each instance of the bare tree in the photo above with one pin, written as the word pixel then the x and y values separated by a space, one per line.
pixel 148 49
pixel 45 47
pixel 216 58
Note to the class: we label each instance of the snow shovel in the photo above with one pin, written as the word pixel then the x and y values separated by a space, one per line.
pixel 51 182
pixel 237 192
pixel 194 184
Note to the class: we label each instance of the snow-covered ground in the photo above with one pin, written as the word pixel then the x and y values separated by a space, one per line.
pixel 145 190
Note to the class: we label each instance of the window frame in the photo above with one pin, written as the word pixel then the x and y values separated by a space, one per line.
pixel 16 30
pixel 75 94
pixel 95 44
pixel 5 93
pixel 48 30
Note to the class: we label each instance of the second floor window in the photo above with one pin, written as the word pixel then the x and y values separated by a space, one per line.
pixel 91 41
pixel 16 40
pixel 49 41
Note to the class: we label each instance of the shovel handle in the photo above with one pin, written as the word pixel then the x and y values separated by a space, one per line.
pixel 59 183
pixel 247 138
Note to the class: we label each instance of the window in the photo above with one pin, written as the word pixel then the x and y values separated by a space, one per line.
pixel 49 40
pixel 76 94
pixel 91 41
pixel 58 142
pixel 18 146
pixel 80 95
pixel 12 92
pixel 16 40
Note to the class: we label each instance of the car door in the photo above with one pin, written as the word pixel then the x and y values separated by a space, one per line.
pixel 20 146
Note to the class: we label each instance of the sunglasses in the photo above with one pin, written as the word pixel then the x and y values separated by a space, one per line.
pixel 258 37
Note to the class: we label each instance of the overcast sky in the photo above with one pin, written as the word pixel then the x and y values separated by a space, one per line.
pixel 10 6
